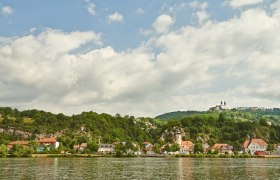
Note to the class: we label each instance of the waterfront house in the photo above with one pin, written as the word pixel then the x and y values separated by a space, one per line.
pixel 11 144
pixel 80 147
pixel 186 147
pixel 148 147
pixel 48 143
pixel 222 148
pixel 106 148
pixel 252 146
pixel 205 147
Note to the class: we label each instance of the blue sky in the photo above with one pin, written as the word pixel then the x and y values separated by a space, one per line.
pixel 138 57
pixel 72 15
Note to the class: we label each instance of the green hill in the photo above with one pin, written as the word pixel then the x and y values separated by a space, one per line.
pixel 229 126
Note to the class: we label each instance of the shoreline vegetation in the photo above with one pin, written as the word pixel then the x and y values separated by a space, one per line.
pixel 141 156
pixel 200 134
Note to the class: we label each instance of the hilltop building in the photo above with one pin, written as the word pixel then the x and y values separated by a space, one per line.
pixel 222 106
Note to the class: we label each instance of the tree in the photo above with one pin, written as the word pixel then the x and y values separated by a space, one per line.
pixel 263 122
pixel 92 146
pixel 19 150
pixel 174 147
pixel 270 147
pixel 198 148
pixel 3 150
pixel 33 145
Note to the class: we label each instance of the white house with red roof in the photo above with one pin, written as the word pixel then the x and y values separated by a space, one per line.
pixel 45 142
pixel 254 146
pixel 186 147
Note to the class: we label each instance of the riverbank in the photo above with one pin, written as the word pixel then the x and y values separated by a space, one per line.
pixel 145 156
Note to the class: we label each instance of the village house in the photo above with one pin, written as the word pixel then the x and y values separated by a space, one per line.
pixel 47 143
pixel 255 146
pixel 186 147
pixel 222 148
pixel 277 148
pixel 148 147
pixel 106 148
pixel 11 144
pixel 80 147
pixel 205 147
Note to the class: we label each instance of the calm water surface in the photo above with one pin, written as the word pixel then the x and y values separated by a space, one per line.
pixel 138 168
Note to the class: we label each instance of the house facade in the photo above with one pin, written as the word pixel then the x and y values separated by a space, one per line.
pixel 222 148
pixel 186 147
pixel 149 148
pixel 47 143
pixel 80 147
pixel 106 148
pixel 254 146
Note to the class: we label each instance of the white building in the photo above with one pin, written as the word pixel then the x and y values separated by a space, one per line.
pixel 254 145
pixel 186 147
pixel 106 148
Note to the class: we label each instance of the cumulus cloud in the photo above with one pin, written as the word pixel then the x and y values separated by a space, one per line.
pixel 90 7
pixel 242 3
pixel 163 23
pixel 187 68
pixel 115 17
pixel 7 10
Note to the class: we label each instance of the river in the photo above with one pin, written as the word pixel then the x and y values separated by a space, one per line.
pixel 139 168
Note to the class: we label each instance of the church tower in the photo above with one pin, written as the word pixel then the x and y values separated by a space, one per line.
pixel 178 138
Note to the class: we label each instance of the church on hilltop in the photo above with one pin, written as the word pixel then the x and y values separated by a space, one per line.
pixel 221 107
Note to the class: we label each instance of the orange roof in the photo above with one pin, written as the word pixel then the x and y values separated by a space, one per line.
pixel 187 143
pixel 47 140
pixel 260 142
pixel 19 142
pixel 219 145
pixel 83 145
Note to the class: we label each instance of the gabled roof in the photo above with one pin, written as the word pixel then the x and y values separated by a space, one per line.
pixel 83 145
pixel 47 140
pixel 186 143
pixel 19 142
pixel 219 145
pixel 260 142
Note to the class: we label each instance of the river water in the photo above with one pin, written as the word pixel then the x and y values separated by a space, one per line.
pixel 139 168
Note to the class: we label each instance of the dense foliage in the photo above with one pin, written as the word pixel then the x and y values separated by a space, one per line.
pixel 231 127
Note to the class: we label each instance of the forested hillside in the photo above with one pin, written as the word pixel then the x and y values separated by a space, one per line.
pixel 231 127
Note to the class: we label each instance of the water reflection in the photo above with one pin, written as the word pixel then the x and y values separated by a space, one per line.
pixel 138 168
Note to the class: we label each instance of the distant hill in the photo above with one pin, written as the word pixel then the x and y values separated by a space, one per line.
pixel 176 115
pixel 247 114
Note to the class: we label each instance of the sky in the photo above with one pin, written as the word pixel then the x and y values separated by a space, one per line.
pixel 140 57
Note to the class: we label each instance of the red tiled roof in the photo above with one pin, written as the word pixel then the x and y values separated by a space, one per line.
pixel 246 143
pixel 186 143
pixel 47 140
pixel 260 142
pixel 219 145
pixel 19 142
pixel 83 145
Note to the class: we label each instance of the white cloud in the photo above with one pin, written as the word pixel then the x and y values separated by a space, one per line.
pixel 140 11
pixel 187 68
pixel 7 10
pixel 90 7
pixel 116 17
pixel 198 5
pixel 242 3
pixel 163 23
